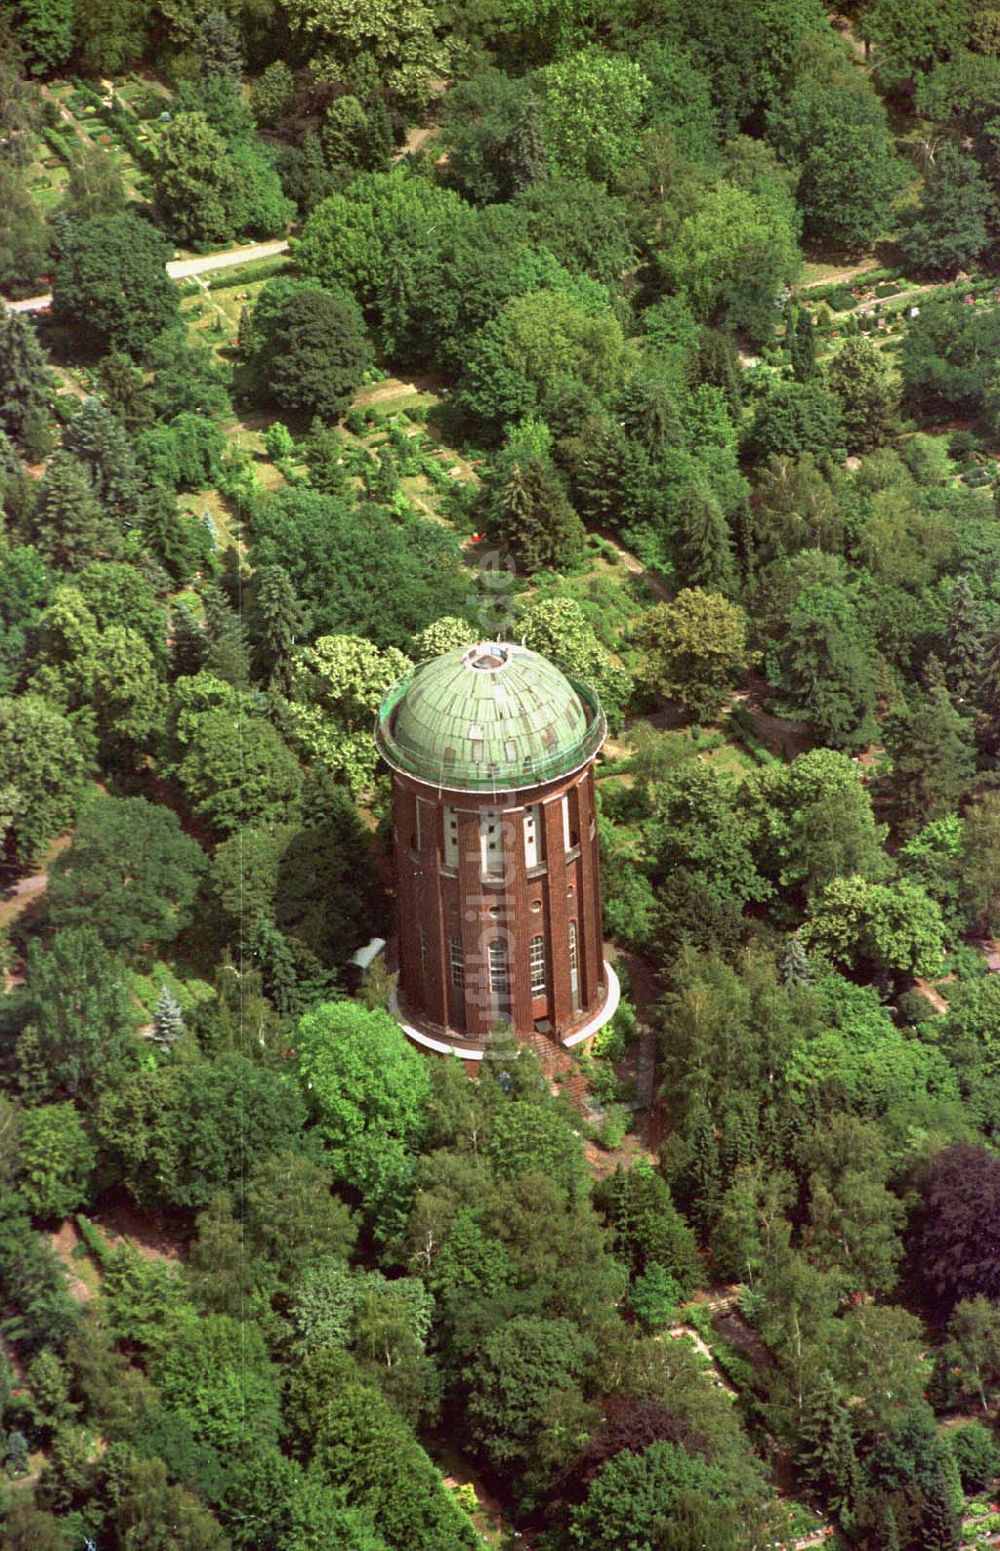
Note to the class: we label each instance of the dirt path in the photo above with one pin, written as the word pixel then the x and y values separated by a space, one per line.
pixel 838 276
pixel 64 1242
pixel 183 269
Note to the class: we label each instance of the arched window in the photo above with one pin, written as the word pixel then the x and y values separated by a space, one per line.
pixel 499 975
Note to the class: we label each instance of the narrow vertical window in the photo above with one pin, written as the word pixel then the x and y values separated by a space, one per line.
pixel 457 955
pixel 574 970
pixel 537 959
pixel 564 804
pixel 417 827
pixel 534 848
pixel 451 837
pixel 423 953
pixel 491 842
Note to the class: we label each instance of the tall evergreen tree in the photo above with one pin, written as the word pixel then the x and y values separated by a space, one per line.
pixel 168 1020
pixel 704 1171
pixel 794 965
pixel 188 641
pixel 803 348
pixel 99 440
pixel 966 641
pixel 71 526
pixel 703 545
pixel 228 655
pixel 24 384
pixel 988 723
pixel 280 621
pixel 940 1528
pixel 825 1452
pixel 932 759
pixel 529 515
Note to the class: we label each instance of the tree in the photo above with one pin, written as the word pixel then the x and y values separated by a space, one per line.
pixel 816 822
pixel 70 525
pixel 802 347
pixel 696 649
pixel 958 1251
pixel 399 38
pixel 648 1229
pixel 24 385
pixel 979 885
pixel 131 873
pixel 825 666
pixel 974 1346
pixel 232 781
pixel 837 134
pixel 854 1218
pixel 825 1452
pixel 794 418
pixel 338 685
pixel 949 355
pixel 308 351
pixel 966 643
pixel 24 235
pixel 870 927
pixel 932 760
pixel 168 1020
pixel 110 280
pixel 182 1131
pixel 976 1456
pixel 57 1158
pixel 529 515
pixel 194 179
pixel 370 1090
pixel 94 186
pixel 909 37
pixel 632 1500
pixel 519 1371
pixel 42 766
pixel 560 630
pixel 592 103
pixel 702 541
pixel 733 254
pixel 949 229
pixel 858 377
pixel 35 1284
pixel 81 1019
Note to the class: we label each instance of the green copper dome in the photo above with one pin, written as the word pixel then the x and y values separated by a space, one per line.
pixel 488 716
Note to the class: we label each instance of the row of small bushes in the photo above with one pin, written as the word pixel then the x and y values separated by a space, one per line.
pixel 247 274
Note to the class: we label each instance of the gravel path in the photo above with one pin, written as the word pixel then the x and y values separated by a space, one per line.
pixel 183 269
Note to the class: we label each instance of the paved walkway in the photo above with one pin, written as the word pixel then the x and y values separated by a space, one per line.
pixel 183 269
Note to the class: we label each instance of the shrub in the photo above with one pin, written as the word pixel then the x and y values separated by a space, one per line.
pixel 976 1455
pixel 841 299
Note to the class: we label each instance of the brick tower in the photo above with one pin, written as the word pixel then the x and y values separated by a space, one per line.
pixel 492 751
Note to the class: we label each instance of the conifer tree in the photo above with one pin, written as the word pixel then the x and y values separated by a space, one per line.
pixel 71 526
pixel 988 724
pixel 280 622
pixel 530 515
pixel 24 383
pixel 794 965
pixel 940 1525
pixel 168 1020
pixel 932 760
pixel 228 655
pixel 826 1454
pixel 703 544
pixel 704 1170
pixel 966 640
pixel 99 440
pixel 804 348
pixel 189 643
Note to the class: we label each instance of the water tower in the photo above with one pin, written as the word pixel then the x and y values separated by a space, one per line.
pixel 492 752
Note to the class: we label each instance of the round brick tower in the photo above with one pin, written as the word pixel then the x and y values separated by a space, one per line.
pixel 492 750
